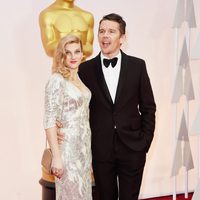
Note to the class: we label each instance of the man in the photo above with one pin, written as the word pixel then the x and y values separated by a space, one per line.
pixel 61 18
pixel 122 113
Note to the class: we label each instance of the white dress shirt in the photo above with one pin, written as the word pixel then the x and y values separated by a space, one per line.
pixel 111 75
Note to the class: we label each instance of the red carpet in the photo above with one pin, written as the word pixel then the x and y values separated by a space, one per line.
pixel 178 197
pixel 170 197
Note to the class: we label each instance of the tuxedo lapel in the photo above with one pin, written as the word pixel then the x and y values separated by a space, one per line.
pixel 101 80
pixel 122 77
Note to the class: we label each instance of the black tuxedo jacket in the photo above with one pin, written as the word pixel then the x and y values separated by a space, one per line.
pixel 131 116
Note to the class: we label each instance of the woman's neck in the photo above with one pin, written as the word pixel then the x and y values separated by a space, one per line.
pixel 73 75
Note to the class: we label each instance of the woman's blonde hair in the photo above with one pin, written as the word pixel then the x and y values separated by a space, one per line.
pixel 59 65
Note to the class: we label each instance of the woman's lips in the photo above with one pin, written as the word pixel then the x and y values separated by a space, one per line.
pixel 73 62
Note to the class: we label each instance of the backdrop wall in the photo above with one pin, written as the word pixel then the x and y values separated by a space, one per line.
pixel 25 68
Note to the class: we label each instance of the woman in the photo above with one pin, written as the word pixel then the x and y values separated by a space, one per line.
pixel 67 100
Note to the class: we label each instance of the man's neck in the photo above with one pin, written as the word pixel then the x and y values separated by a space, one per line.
pixel 110 56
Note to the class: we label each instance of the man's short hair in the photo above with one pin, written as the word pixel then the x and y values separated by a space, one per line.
pixel 116 18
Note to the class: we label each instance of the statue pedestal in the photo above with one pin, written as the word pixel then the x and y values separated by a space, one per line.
pixel 48 190
pixel 48 186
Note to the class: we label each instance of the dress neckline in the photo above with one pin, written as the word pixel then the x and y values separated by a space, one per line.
pixel 83 92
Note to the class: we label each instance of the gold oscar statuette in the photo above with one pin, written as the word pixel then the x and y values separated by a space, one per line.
pixel 61 18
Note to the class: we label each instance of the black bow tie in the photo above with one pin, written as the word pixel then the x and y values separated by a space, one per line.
pixel 107 62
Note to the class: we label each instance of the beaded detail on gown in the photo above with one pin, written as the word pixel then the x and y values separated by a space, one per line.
pixel 66 103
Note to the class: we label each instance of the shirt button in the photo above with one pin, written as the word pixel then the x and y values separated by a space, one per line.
pixel 115 127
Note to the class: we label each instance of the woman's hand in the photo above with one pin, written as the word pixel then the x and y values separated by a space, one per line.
pixel 57 167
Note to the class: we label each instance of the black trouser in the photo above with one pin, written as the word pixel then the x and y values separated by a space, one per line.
pixel 126 166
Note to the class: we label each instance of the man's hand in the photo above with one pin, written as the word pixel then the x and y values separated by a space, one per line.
pixel 60 136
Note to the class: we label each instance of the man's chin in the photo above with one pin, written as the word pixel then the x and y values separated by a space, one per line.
pixel 105 51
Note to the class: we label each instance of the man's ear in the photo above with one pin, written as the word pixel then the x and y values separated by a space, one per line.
pixel 122 38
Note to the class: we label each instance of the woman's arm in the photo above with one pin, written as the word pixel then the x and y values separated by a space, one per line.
pixel 53 107
pixel 57 163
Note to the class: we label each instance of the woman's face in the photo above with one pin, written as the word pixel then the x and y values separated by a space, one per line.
pixel 73 55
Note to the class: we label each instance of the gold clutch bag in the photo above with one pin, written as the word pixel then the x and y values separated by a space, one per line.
pixel 47 160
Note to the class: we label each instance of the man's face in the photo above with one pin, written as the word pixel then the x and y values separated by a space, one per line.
pixel 110 38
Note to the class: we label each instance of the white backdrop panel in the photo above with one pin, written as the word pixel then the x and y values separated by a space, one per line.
pixel 24 69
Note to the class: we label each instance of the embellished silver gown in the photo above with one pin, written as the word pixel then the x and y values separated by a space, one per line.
pixel 66 103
